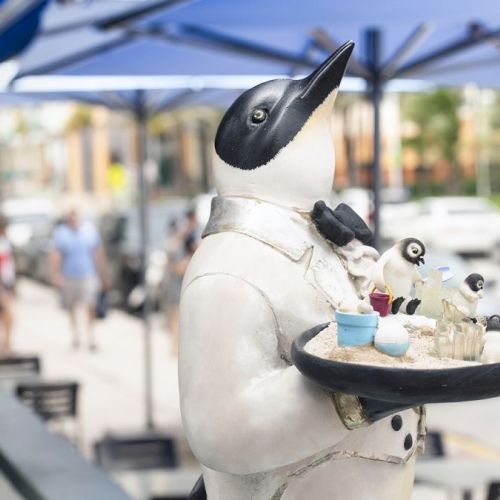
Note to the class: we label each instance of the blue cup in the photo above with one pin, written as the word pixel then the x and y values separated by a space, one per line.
pixel 356 329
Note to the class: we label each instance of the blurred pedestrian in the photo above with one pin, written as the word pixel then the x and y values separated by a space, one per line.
pixel 78 264
pixel 181 246
pixel 7 287
pixel 117 178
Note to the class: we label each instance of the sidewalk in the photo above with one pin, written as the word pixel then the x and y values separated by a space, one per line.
pixel 111 395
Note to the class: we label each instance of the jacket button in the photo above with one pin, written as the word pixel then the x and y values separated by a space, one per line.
pixel 408 442
pixel 397 422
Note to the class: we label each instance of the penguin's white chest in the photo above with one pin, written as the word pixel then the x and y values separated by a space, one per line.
pixel 465 304
pixel 491 351
pixel 398 274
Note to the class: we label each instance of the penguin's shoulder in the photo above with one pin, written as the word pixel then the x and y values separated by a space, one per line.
pixel 240 255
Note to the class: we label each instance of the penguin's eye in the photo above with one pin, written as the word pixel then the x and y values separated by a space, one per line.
pixel 480 284
pixel 259 115
pixel 415 250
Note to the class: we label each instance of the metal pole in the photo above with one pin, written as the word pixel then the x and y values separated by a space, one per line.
pixel 373 59
pixel 141 121
pixel 203 139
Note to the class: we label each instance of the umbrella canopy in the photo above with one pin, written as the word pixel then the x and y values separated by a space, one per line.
pixel 427 40
pixel 19 23
pixel 220 37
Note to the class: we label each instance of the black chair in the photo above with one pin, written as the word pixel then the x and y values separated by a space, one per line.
pixel 434 445
pixel 50 400
pixel 140 452
pixel 56 403
pixel 493 491
pixel 19 366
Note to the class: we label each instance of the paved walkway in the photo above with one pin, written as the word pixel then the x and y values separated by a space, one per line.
pixel 112 379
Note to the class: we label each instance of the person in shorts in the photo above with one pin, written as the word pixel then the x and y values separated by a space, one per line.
pixel 180 248
pixel 7 286
pixel 78 270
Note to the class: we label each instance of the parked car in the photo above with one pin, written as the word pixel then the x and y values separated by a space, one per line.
pixel 27 219
pixel 33 259
pixel 462 225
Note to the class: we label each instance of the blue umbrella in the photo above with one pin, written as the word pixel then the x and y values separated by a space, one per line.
pixel 19 23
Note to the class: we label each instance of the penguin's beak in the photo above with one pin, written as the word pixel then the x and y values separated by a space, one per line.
pixel 480 294
pixel 421 260
pixel 325 79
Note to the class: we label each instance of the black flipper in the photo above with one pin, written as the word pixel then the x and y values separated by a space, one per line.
pixel 412 306
pixel 396 304
pixel 376 410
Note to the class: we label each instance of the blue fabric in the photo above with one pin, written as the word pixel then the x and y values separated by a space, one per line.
pixel 284 25
pixel 18 36
pixel 77 248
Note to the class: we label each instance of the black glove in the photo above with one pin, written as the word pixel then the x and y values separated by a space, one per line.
pixel 376 410
pixel 340 226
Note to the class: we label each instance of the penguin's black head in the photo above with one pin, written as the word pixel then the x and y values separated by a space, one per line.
pixel 493 323
pixel 475 282
pixel 413 250
pixel 264 119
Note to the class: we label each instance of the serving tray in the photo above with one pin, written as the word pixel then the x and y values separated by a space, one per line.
pixel 408 386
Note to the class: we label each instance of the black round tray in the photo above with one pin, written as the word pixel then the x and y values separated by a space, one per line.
pixel 409 386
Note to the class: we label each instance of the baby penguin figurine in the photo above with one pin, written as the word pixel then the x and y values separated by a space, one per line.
pixel 491 351
pixel 466 297
pixel 397 268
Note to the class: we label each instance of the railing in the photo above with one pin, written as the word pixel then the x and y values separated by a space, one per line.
pixel 40 465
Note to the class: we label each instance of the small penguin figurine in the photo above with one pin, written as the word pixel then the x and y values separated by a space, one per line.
pixel 397 267
pixel 491 351
pixel 466 297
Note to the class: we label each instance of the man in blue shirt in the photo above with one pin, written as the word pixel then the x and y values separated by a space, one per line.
pixel 78 263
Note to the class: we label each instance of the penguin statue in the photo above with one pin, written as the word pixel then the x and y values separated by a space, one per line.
pixel 273 263
pixel 397 268
pixel 466 297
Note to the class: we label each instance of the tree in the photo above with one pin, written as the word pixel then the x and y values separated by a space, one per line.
pixel 437 128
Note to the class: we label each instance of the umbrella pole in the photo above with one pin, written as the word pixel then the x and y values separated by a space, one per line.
pixel 373 59
pixel 376 97
pixel 141 121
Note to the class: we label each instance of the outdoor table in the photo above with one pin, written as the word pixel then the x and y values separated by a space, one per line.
pixel 463 474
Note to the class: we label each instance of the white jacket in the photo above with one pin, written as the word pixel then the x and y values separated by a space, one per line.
pixel 261 430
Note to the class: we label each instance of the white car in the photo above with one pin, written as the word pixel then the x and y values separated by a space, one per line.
pixel 24 215
pixel 359 199
pixel 463 225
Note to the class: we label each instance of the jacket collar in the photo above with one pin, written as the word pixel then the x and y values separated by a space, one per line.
pixel 286 230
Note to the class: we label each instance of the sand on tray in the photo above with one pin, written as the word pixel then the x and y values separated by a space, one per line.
pixel 420 355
